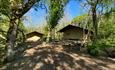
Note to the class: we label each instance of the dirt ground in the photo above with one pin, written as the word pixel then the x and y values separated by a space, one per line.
pixel 57 59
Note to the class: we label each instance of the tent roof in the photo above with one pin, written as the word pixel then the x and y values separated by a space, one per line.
pixel 72 27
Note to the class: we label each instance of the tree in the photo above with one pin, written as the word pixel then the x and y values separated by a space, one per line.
pixel 14 9
pixel 55 12
pixel 95 6
pixel 80 20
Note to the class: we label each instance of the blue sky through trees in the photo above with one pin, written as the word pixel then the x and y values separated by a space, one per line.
pixel 37 18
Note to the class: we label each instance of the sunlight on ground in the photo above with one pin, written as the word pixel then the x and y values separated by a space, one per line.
pixel 56 58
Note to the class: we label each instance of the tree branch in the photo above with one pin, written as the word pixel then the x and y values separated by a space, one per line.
pixel 27 7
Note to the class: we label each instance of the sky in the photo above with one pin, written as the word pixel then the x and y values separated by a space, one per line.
pixel 37 18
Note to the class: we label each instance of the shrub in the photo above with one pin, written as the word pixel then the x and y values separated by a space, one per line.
pixel 93 49
pixel 101 48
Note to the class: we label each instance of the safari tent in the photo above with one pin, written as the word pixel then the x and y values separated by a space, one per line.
pixel 33 36
pixel 72 32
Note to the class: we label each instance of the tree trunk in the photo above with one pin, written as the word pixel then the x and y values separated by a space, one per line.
pixel 48 39
pixel 23 35
pixel 11 38
pixel 94 18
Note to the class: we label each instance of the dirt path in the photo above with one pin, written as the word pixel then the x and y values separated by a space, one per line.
pixel 48 59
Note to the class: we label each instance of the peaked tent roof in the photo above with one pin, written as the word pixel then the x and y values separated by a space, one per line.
pixel 35 32
pixel 71 27
pixel 38 33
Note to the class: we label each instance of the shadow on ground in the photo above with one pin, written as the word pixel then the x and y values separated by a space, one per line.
pixel 48 59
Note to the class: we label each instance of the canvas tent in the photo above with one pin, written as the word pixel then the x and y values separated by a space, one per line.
pixel 72 32
pixel 34 36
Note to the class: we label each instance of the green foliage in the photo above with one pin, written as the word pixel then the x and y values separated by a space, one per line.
pixel 21 33
pixel 56 10
pixel 5 7
pixel 107 28
pixel 79 19
pixel 4 25
pixel 93 49
pixel 106 36
pixel 55 13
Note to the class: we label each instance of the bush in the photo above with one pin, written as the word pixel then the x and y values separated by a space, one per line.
pixel 101 48
pixel 93 50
